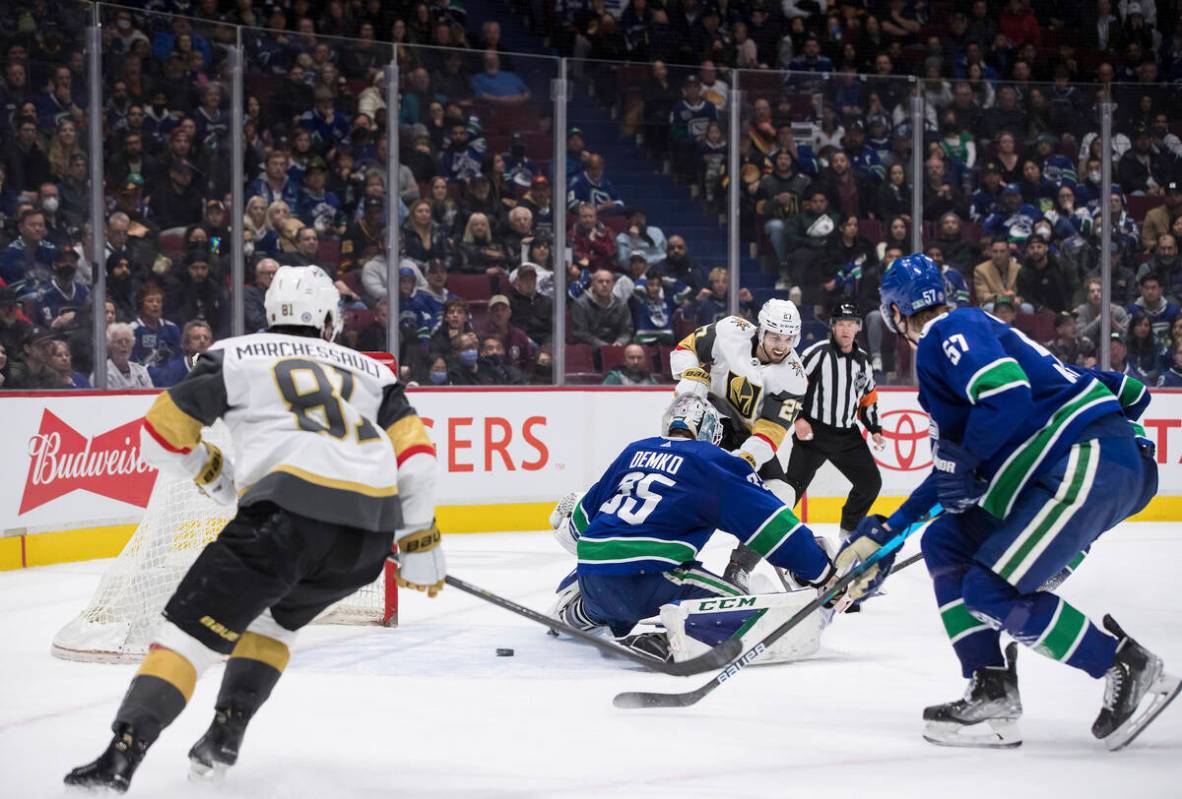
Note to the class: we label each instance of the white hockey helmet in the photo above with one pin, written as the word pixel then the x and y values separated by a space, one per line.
pixel 780 316
pixel 303 296
pixel 695 415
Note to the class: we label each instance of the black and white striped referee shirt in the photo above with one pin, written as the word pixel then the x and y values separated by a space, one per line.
pixel 841 386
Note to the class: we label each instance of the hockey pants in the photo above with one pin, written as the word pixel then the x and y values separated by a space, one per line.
pixel 620 601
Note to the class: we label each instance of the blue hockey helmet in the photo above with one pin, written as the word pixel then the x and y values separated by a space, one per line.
pixel 911 283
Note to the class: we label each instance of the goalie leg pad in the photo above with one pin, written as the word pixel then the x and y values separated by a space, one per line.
pixel 696 626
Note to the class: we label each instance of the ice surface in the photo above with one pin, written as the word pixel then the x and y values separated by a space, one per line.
pixel 429 710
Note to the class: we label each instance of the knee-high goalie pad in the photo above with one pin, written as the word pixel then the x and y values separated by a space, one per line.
pixel 695 626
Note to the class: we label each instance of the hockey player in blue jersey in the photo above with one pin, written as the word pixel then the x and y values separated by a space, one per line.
pixel 637 531
pixel 1032 462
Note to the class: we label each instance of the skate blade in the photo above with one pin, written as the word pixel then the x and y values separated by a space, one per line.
pixel 1165 689
pixel 202 773
pixel 990 734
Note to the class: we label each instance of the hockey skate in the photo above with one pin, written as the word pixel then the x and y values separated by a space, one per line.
pixel 988 715
pixel 115 767
pixel 653 644
pixel 1137 690
pixel 217 749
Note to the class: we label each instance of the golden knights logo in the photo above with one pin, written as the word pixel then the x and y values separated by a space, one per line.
pixel 742 394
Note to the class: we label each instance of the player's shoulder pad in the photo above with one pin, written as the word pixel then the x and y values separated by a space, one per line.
pixel 735 327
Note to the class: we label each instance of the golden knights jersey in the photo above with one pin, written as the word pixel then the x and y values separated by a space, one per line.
pixel 761 398
pixel 318 429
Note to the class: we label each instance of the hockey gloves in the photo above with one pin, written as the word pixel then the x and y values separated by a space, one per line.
pixel 216 478
pixel 744 559
pixel 421 563
pixel 871 534
pixel 957 484
pixel 694 381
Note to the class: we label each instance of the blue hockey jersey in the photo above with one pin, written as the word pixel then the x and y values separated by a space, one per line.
pixel 1005 399
pixel 662 498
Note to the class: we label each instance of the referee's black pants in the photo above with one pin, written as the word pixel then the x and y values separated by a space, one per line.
pixel 845 448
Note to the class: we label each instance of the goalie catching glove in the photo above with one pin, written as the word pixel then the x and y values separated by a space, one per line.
pixel 421 562
pixel 216 477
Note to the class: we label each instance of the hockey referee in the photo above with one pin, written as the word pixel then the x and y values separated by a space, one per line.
pixel 841 390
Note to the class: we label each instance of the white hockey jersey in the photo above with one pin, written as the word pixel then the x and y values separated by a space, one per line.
pixel 762 399
pixel 319 429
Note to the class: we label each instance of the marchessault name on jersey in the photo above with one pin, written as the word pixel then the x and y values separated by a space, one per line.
pixel 311 349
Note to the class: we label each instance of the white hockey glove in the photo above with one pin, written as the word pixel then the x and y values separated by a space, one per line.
pixel 421 563
pixel 216 478
pixel 694 381
pixel 560 520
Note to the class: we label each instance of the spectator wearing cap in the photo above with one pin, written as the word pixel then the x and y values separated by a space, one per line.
pixel 255 294
pixel 538 201
pixel 35 369
pixel 599 318
pixel 1154 305
pixel 497 86
pixel 998 276
pixel 1013 218
pixel 690 117
pixel 366 237
pixel 478 198
pixel 592 186
pixel 317 207
pixel 532 311
pixel 177 201
pixel 636 370
pixel 986 200
pixel 519 348
pixel 157 340
pixel 1118 357
pixel 14 327
pixel 123 372
pixel 29 251
pixel 1159 220
pixel 195 295
pixel 640 238
pixel 1070 347
pixel 62 299
pixel 1043 281
pixel 1141 170
pixel 591 243
pixel 196 338
pixel 276 184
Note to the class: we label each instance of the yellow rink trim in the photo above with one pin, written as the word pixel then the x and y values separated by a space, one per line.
pixel 44 549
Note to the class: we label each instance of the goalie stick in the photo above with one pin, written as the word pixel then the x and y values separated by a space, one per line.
pixel 717 657
pixel 638 699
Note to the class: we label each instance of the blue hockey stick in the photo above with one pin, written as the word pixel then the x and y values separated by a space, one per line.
pixel 635 699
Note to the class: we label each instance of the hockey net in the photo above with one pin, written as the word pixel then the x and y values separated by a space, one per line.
pixel 125 611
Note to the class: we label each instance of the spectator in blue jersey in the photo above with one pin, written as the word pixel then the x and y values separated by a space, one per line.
pixel 464 157
pixel 1036 189
pixel 652 312
pixel 864 160
pixel 324 123
pixel 810 58
pixel 986 200
pixel 576 153
pixel 498 86
pixel 592 186
pixel 956 288
pixel 157 340
pixel 63 299
pixel 1014 217
pixel 316 207
pixel 689 119
pixel 1171 377
pixel 276 184
pixel 196 338
pixel 1160 312
pixel 29 251
pixel 431 295
pixel 640 238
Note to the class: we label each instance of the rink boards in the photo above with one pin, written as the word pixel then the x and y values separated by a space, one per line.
pixel 76 486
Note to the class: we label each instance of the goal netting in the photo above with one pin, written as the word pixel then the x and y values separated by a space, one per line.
pixel 125 611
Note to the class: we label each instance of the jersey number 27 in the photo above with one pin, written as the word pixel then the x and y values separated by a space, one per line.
pixel 636 488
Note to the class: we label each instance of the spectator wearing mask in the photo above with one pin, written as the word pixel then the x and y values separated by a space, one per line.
pixel 1070 347
pixel 254 295
pixel 63 298
pixel 998 276
pixel 1087 313
pixel 195 339
pixel 437 375
pixel 636 370
pixel 517 348
pixel 463 362
pixel 599 318
pixel 1044 282
pixel 493 367
pixel 49 200
pixel 593 187
pixel 30 251
pixel 532 311
pixel 590 241
pixel 122 372
pixel 640 238
pixel 1160 312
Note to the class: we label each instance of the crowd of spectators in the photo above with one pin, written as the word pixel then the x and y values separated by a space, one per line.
pixel 1008 201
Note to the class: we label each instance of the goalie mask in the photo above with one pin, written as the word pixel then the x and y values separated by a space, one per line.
pixel 303 296
pixel 694 415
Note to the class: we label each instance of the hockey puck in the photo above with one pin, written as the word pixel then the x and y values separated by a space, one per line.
pixel 504 653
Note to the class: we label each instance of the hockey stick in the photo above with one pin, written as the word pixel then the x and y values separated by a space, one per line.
pixel 717 657
pixel 636 699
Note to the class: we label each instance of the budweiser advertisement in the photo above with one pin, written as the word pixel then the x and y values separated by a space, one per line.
pixel 73 460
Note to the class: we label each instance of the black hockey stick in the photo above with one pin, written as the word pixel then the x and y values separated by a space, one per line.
pixel 637 699
pixel 716 658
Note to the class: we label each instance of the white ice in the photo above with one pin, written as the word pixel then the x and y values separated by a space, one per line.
pixel 429 710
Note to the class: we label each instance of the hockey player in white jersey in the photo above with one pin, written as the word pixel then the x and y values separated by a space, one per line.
pixel 333 467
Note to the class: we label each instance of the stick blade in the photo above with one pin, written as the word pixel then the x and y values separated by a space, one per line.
pixel 632 700
pixel 715 659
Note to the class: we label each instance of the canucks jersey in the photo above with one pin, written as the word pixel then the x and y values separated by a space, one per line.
pixel 318 429
pixel 760 398
pixel 1005 399
pixel 662 498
